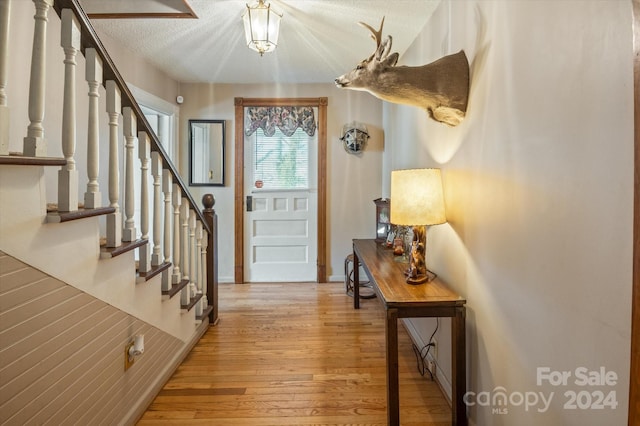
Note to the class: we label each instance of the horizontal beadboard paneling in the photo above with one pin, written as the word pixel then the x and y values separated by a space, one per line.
pixel 62 352
pixel 28 292
pixel 17 322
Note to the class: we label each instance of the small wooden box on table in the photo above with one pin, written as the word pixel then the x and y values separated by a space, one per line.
pixel 402 300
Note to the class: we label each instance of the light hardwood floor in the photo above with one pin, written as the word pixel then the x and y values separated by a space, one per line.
pixel 294 354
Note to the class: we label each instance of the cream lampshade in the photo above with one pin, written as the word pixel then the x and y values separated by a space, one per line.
pixel 417 200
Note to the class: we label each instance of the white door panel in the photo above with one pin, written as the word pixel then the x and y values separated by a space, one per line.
pixel 281 228
pixel 282 237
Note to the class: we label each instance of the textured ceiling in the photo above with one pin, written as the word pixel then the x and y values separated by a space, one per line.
pixel 319 39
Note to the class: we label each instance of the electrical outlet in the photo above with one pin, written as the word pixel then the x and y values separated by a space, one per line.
pixel 128 359
pixel 432 367
pixel 434 349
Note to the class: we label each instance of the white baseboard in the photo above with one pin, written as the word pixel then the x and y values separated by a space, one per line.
pixel 140 406
pixel 443 381
pixel 335 278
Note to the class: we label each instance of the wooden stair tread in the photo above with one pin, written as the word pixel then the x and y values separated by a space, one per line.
pixel 17 159
pixel 155 270
pixel 192 302
pixel 109 252
pixel 175 288
pixel 55 216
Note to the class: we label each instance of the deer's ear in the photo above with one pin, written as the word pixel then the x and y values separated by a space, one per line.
pixel 391 60
pixel 383 49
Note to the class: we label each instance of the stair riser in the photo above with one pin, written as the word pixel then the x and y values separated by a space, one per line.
pixel 70 252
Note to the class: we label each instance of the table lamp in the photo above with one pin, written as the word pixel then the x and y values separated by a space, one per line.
pixel 417 200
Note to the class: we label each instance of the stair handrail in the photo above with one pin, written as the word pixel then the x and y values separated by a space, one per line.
pixel 89 39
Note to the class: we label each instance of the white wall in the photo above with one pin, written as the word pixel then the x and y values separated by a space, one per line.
pixel 134 70
pixel 18 228
pixel 20 46
pixel 539 194
pixel 139 72
pixel 351 212
pixel 538 183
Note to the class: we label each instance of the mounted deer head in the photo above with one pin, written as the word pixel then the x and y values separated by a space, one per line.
pixel 441 87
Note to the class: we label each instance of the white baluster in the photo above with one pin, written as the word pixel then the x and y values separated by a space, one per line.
pixel 163 133
pixel 93 74
pixel 156 172
pixel 167 184
pixel 193 257
pixel 114 220
pixel 5 11
pixel 176 277
pixel 198 256
pixel 203 265
pixel 68 175
pixel 166 188
pixel 130 128
pixel 185 295
pixel 144 148
pixel 34 143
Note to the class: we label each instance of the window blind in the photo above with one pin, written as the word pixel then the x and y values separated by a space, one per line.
pixel 281 162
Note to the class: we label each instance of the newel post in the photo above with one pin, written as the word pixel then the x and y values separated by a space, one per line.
pixel 212 256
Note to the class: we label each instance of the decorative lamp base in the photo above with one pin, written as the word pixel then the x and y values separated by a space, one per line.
pixel 419 278
pixel 417 273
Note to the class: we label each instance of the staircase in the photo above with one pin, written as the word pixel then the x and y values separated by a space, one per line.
pixel 85 245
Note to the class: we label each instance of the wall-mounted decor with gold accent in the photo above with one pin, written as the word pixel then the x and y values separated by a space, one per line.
pixel 354 137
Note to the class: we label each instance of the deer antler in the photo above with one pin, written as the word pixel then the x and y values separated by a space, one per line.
pixel 441 87
pixel 375 35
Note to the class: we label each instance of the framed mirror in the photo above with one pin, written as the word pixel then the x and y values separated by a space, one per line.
pixel 206 152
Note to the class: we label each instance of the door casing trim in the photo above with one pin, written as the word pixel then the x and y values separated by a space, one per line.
pixel 634 372
pixel 240 104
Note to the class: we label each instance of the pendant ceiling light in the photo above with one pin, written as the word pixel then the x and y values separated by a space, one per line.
pixel 261 27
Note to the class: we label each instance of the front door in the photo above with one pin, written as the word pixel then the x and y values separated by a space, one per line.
pixel 280 219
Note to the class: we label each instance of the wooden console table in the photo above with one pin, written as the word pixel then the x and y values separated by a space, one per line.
pixel 402 300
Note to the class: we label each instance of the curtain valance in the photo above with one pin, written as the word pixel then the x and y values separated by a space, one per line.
pixel 285 118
